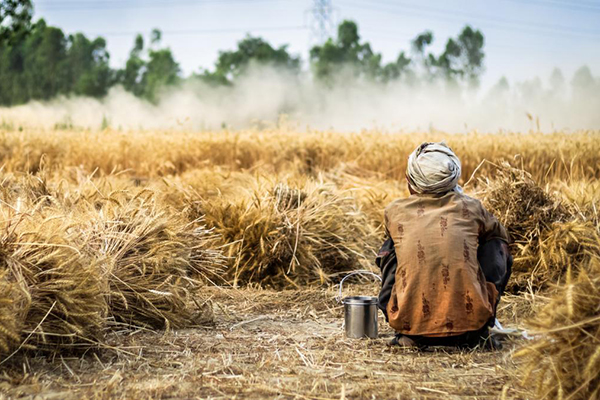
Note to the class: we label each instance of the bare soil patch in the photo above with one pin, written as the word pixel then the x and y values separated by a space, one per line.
pixel 267 344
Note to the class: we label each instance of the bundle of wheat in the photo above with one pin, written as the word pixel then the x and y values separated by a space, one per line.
pixel 14 304
pixel 284 235
pixel 567 244
pixel 564 363
pixel 584 195
pixel 151 260
pixel 530 214
pixel 371 190
pixel 67 308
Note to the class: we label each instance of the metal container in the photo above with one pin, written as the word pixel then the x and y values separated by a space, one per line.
pixel 360 316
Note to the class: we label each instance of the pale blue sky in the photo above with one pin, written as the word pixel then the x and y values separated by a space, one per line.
pixel 524 38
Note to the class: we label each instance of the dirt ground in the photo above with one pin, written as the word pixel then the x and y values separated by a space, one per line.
pixel 267 344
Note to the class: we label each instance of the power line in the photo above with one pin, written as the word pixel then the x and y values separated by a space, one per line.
pixel 203 31
pixel 397 36
pixel 517 23
pixel 450 16
pixel 125 4
pixel 571 6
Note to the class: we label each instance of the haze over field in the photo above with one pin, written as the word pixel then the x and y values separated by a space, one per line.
pixel 263 95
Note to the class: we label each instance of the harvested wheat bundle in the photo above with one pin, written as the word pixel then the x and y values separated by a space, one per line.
pixel 568 244
pixel 14 305
pixel 520 203
pixel 68 309
pixel 564 363
pixel 584 196
pixel 25 188
pixel 529 213
pixel 152 260
pixel 373 191
pixel 285 235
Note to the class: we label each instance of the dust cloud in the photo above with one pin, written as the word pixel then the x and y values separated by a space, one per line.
pixel 265 97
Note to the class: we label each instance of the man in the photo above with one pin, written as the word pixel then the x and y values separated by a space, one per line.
pixel 446 260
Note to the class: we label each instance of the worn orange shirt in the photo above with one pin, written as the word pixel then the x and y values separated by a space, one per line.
pixel 440 289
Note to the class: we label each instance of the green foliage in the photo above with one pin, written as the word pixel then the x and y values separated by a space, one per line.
pixel 161 70
pixel 583 80
pixel 347 52
pixel 146 76
pixel 44 63
pixel 422 41
pixel 15 19
pixel 131 76
pixel 251 50
pixel 87 66
pixel 39 62
pixel 462 58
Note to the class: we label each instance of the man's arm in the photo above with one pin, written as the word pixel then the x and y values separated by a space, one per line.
pixel 387 263
pixel 490 228
pixel 493 253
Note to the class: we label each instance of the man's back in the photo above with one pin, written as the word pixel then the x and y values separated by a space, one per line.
pixel 440 289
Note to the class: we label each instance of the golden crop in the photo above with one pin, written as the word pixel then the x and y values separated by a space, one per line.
pixel 105 230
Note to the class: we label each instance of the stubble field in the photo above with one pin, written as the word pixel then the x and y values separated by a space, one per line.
pixel 180 264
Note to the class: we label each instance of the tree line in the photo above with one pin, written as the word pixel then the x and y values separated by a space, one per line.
pixel 39 62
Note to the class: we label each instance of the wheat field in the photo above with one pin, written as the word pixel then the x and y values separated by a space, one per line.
pixel 107 234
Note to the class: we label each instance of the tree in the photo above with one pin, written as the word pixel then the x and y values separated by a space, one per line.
pixel 145 78
pixel 557 83
pixel 15 18
pixel 42 63
pixel 161 70
pixel 583 81
pixel 347 51
pixel 586 93
pixel 251 50
pixel 462 57
pixel 131 76
pixel 45 67
pixel 87 65
pixel 421 42
pixel 395 70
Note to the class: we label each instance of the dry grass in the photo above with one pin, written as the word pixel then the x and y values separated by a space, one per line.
pixel 548 233
pixel 151 259
pixel 109 236
pixel 284 235
pixel 76 266
pixel 269 344
pixel 564 363
pixel 548 157
pixel 64 304
pixel 14 305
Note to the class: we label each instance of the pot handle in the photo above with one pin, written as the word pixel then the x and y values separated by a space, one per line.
pixel 359 272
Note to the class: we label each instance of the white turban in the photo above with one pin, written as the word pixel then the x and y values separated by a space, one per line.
pixel 433 168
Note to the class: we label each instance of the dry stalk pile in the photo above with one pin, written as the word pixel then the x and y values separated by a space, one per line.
pixel 56 295
pixel 14 305
pixel 292 235
pixel 546 235
pixel 564 363
pixel 75 264
pixel 151 260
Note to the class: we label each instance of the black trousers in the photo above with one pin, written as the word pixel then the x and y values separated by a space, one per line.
pixel 495 263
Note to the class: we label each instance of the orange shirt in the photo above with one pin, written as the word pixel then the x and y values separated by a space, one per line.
pixel 440 289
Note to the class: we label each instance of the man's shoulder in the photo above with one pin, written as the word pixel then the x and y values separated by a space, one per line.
pixel 472 201
pixel 399 203
pixel 393 209
pixel 473 204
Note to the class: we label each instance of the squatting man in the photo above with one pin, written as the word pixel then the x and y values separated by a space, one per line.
pixel 445 262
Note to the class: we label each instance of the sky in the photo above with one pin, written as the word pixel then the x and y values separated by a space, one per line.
pixel 524 38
